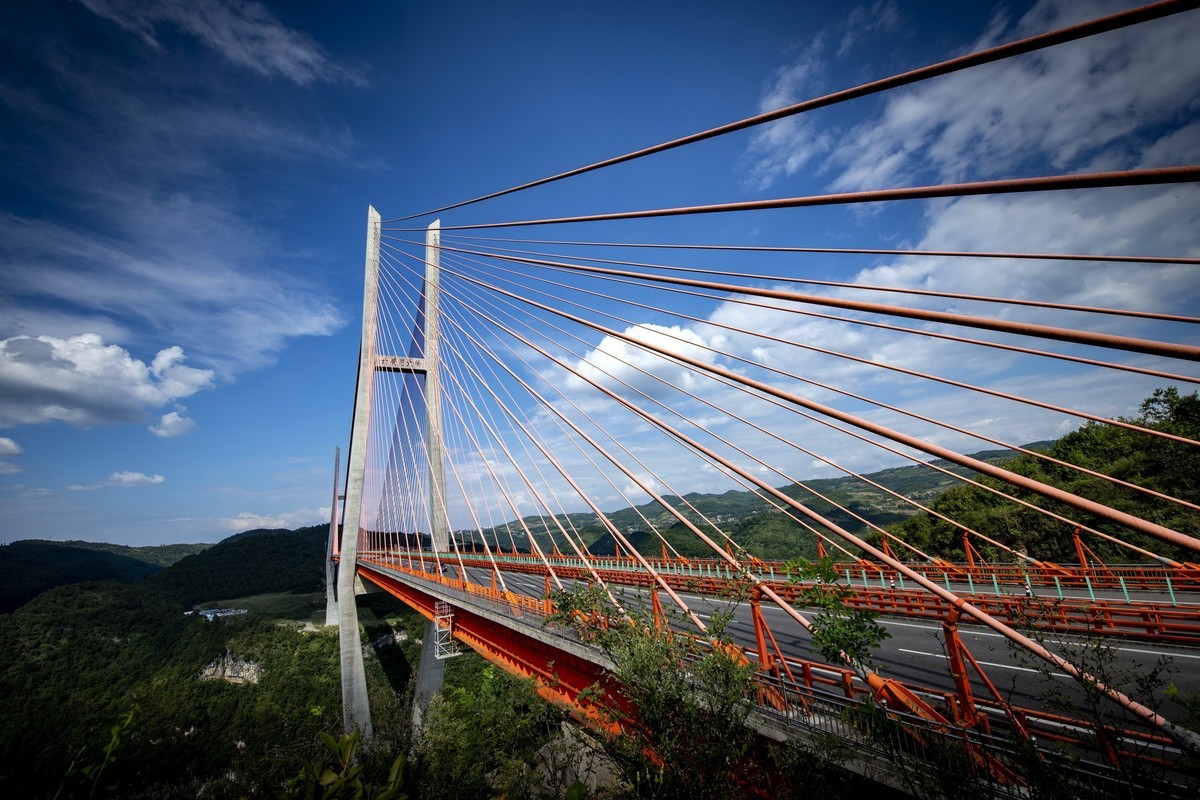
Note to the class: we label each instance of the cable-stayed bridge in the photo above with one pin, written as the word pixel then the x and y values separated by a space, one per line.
pixel 562 405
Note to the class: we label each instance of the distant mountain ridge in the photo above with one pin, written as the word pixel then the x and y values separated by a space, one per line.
pixel 246 563
pixel 76 657
pixel 236 566
pixel 31 566
pixel 749 519
pixel 159 555
pixel 253 562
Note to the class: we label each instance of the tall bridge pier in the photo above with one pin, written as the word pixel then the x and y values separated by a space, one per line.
pixel 424 360
pixel 431 670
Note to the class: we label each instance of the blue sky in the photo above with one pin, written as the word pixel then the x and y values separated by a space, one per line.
pixel 183 209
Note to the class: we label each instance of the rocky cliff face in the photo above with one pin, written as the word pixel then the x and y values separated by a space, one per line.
pixel 227 667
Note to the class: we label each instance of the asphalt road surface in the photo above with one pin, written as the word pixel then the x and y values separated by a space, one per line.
pixel 914 652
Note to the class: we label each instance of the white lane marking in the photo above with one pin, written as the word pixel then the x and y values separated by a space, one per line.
pixel 1135 650
pixel 936 628
pixel 984 663
pixel 921 653
pixel 974 632
pixel 1156 653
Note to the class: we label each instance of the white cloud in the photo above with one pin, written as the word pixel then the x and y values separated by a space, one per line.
pixel 247 520
pixel 1120 100
pixel 134 479
pixel 83 381
pixel 245 33
pixel 31 321
pixel 1142 221
pixel 173 424
pixel 9 448
pixel 235 318
pixel 616 359
pixel 882 16
pixel 1077 106
pixel 1087 105
pixel 158 238
pixel 124 479
pixel 785 147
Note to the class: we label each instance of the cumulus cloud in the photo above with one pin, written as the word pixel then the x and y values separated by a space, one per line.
pixel 85 382
pixel 173 424
pixel 9 448
pixel 124 479
pixel 300 518
pixel 616 360
pixel 245 33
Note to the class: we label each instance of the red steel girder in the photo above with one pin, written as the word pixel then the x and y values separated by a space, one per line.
pixel 559 675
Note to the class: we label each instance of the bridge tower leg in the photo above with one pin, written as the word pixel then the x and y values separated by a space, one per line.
pixel 331 605
pixel 356 710
pixel 431 670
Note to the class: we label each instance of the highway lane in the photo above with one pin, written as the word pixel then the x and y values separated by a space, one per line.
pixel 914 653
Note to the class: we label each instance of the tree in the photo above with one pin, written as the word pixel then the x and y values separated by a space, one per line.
pixel 1166 466
pixel 335 775
pixel 687 737
pixel 843 635
pixel 478 741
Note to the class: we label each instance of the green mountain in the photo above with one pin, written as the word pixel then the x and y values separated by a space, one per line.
pixel 32 566
pixel 160 555
pixel 749 519
pixel 254 562
pixel 28 568
pixel 78 658
pixel 1169 467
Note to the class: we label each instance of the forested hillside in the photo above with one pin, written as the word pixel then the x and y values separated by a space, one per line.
pixel 28 568
pixel 79 658
pixel 254 562
pixel 113 691
pixel 1165 466
pixel 160 555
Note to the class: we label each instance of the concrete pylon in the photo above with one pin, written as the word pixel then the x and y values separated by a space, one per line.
pixel 431 670
pixel 439 528
pixel 356 710
pixel 331 604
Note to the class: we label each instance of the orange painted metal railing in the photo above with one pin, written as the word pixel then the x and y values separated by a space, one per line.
pixel 1143 619
pixel 787 685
